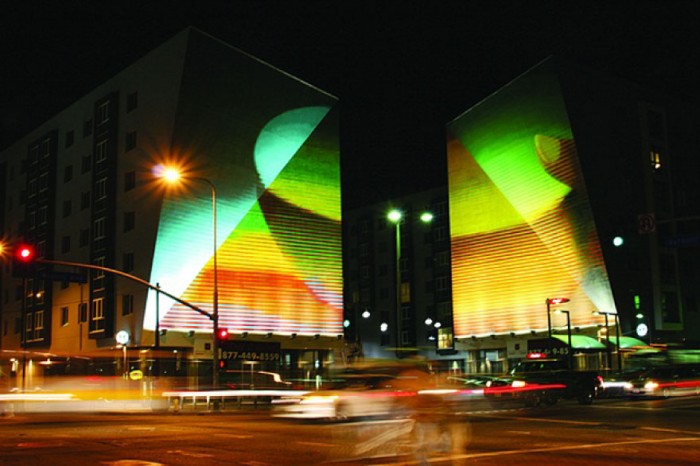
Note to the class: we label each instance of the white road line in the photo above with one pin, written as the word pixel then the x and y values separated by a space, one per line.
pixel 550 449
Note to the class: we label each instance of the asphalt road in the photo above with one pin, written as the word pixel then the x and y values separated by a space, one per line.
pixel 619 432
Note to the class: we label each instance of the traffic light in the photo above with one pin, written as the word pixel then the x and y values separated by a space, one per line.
pixel 222 334
pixel 23 260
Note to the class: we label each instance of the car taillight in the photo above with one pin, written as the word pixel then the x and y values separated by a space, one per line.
pixel 600 381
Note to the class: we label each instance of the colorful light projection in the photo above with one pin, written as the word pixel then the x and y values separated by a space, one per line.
pixel 279 252
pixel 522 229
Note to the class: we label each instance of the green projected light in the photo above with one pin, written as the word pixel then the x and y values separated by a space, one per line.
pixel 521 224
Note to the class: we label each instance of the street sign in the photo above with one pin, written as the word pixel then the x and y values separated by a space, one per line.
pixel 53 275
pixel 646 223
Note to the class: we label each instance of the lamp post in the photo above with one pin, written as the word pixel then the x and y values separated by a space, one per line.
pixel 608 356
pixel 568 333
pixel 617 337
pixel 172 176
pixel 395 216
pixel 549 302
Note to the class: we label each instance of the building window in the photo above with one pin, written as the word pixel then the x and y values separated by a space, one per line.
pixel 441 283
pixel 442 258
pixel 84 237
pixel 82 312
pixel 43 182
pixel 130 140
pixel 101 189
pixel 70 136
pixel 127 304
pixel 132 101
pixel 86 163
pixel 65 244
pixel 67 208
pixel 39 320
pixel 42 215
pixel 85 200
pixel 128 262
pixel 102 113
pixel 64 316
pixel 68 173
pixel 87 128
pixel 101 151
pixel 129 181
pixel 440 233
pixel 655 158
pixel 99 226
pixel 129 220
pixel 97 315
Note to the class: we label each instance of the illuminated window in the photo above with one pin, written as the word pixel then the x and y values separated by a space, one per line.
pixel 97 315
pixel 39 320
pixel 655 158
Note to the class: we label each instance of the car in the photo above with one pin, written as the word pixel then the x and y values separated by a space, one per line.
pixel 665 381
pixel 361 392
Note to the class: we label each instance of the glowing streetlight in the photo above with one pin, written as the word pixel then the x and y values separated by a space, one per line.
pixel 172 175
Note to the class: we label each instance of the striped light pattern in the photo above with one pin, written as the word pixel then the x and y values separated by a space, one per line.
pixel 279 254
pixel 521 225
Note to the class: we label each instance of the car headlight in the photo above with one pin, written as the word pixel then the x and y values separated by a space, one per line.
pixel 518 383
pixel 628 385
pixel 319 399
pixel 651 385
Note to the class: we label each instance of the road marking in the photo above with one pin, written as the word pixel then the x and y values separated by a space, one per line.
pixel 554 421
pixel 550 449
pixel 673 431
pixel 316 444
pixel 239 436
pixel 187 453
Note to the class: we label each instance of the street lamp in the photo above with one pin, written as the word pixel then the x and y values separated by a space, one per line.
pixel 172 176
pixel 549 302
pixel 617 335
pixel 395 216
pixel 568 333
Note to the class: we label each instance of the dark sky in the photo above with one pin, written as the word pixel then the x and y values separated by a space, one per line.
pixel 402 69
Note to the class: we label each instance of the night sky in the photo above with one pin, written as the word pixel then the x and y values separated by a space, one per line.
pixel 402 69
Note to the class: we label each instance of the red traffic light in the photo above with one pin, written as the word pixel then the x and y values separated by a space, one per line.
pixel 557 300
pixel 222 334
pixel 25 254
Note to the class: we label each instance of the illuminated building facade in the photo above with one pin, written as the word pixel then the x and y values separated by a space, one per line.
pixel 82 188
pixel 543 174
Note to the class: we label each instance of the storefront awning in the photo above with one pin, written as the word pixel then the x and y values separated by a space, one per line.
pixel 581 342
pixel 628 342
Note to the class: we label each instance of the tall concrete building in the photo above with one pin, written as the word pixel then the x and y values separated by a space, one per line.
pixel 399 305
pixel 255 146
